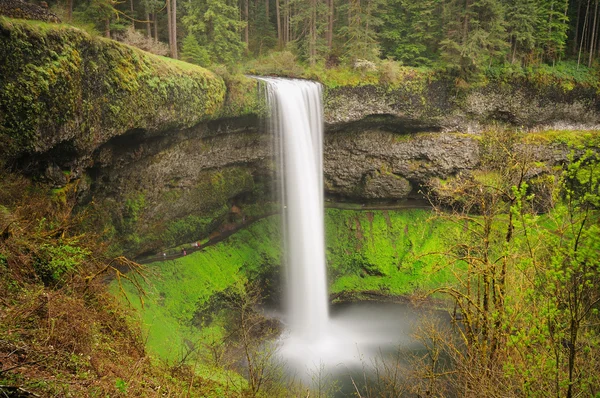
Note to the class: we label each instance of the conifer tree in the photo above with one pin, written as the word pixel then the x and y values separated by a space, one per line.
pixel 475 34
pixel 217 25
pixel 411 30
pixel 309 22
pixel 553 25
pixel 193 52
pixel 360 34
pixel 520 26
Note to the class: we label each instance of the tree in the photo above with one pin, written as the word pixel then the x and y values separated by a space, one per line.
pixel 308 23
pixel 263 36
pixel 568 282
pixel 360 34
pixel 194 53
pixel 552 28
pixel 520 26
pixel 216 25
pixel 172 26
pixel 474 34
pixel 411 30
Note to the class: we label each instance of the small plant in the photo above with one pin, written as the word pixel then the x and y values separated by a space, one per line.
pixel 389 72
pixel 121 385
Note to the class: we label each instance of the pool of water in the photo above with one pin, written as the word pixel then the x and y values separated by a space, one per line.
pixel 360 337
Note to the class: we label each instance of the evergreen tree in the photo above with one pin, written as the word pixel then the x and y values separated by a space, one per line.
pixel 217 24
pixel 411 30
pixel 475 34
pixel 263 36
pixel 360 34
pixel 309 22
pixel 193 52
pixel 521 26
pixel 552 28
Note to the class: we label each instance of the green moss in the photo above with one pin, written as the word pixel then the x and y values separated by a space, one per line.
pixel 243 96
pixel 387 251
pixel 180 286
pixel 191 227
pixel 571 138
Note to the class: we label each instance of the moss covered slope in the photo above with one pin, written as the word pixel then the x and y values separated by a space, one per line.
pixel 58 85
pixel 382 252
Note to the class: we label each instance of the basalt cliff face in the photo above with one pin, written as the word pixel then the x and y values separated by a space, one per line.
pixel 169 152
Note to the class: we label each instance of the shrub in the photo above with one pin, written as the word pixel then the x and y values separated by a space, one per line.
pixel 136 39
pixel 281 63
pixel 389 72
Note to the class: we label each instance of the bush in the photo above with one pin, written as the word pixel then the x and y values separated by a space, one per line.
pixel 136 39
pixel 281 63
pixel 389 72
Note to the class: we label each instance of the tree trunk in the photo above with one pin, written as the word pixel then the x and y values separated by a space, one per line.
pixel 169 27
pixel 278 17
pixel 107 28
pixel 174 52
pixel 132 13
pixel 583 33
pixel 247 17
pixel 155 17
pixel 593 38
pixel 267 10
pixel 312 32
pixel 286 22
pixel 70 10
pixel 148 27
pixel 576 38
pixel 330 26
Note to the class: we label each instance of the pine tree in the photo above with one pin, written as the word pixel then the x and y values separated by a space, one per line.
pixel 308 25
pixel 360 34
pixel 475 35
pixel 193 52
pixel 411 30
pixel 521 26
pixel 263 36
pixel 552 28
pixel 217 25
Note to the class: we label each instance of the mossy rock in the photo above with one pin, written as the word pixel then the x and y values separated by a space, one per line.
pixel 60 85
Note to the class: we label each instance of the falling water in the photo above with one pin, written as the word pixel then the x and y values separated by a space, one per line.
pixel 297 119
pixel 315 342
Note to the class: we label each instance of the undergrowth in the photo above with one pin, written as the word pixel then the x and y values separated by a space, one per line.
pixel 61 333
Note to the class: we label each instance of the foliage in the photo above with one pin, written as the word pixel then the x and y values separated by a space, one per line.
pixel 215 24
pixel 194 53
pixel 134 38
pixel 66 337
pixel 527 300
pixel 411 31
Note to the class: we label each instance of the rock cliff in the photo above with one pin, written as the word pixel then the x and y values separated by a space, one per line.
pixel 168 152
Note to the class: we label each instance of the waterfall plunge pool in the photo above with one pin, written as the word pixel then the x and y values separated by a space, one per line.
pixel 366 342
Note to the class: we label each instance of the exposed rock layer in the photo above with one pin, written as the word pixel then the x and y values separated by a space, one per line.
pixel 168 150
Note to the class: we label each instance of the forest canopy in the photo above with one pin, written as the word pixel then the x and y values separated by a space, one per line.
pixel 462 36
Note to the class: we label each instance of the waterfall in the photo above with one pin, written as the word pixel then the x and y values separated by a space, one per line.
pixel 297 121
